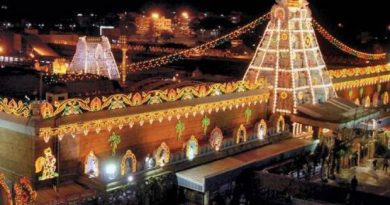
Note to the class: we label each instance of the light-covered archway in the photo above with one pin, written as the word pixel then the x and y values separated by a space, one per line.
pixel 385 98
pixel 261 129
pixel 375 99
pixel 162 155
pixel 280 124
pixel 367 101
pixel 357 101
pixel 128 163
pixel 216 138
pixel 91 165
pixel 192 148
pixel 241 134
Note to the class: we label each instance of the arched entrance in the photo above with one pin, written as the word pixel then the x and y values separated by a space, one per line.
pixel 385 98
pixel 91 165
pixel 216 138
pixel 261 129
pixel 280 124
pixel 162 155
pixel 128 163
pixel 241 135
pixel 367 101
pixel 357 102
pixel 192 148
pixel 5 193
pixel 375 99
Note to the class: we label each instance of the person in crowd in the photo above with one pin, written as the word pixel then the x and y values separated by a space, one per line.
pixel 354 183
pixel 385 164
pixel 374 164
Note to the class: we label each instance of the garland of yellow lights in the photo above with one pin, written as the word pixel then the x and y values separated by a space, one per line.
pixel 157 62
pixel 13 107
pixel 361 82
pixel 150 117
pixel 345 48
pixel 77 106
pixel 350 72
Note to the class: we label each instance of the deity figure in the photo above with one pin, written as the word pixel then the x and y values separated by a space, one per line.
pixel 46 165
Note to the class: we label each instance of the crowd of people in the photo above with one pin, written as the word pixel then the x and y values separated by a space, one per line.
pixel 385 164
pixel 156 190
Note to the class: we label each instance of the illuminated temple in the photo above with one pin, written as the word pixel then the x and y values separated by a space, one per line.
pixel 289 57
pixel 93 56
pixel 101 140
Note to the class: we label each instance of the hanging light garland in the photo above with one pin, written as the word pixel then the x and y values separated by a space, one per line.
pixel 345 48
pixel 49 79
pixel 180 55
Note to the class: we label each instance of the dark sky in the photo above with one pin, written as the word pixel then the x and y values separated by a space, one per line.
pixel 356 15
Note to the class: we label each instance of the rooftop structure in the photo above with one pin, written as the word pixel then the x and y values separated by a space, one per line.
pixel 94 56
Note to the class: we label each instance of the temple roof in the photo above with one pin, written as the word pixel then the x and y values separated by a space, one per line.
pixel 336 112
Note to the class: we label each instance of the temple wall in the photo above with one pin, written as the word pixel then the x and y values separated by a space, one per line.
pixel 16 154
pixel 368 90
pixel 143 140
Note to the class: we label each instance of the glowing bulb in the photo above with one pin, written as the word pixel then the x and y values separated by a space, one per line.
pixel 130 178
pixel 155 15
pixel 110 171
pixel 185 15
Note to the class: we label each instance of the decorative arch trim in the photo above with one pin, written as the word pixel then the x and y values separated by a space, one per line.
pixel 162 155
pixel 216 138
pixel 128 155
pixel 95 170
pixel 357 101
pixel 385 98
pixel 240 130
pixel 367 101
pixel 280 124
pixel 261 125
pixel 192 148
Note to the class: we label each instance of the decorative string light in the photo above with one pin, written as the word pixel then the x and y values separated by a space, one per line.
pixel 67 78
pixel 157 62
pixel 345 48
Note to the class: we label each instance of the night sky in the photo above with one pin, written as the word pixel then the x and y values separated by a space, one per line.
pixel 357 16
